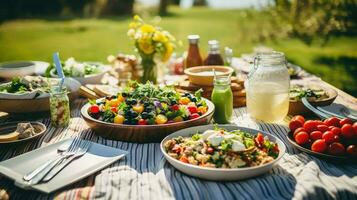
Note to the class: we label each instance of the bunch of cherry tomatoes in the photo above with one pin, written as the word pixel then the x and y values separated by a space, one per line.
pixel 332 136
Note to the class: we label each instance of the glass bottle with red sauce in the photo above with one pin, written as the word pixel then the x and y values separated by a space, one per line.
pixel 214 56
pixel 193 57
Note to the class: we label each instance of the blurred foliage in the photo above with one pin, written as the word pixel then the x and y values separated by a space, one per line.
pixel 313 19
pixel 12 9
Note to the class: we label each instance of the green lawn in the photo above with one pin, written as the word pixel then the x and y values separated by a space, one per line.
pixel 95 39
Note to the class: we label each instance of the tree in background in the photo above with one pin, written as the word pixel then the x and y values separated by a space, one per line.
pixel 312 19
pixel 163 7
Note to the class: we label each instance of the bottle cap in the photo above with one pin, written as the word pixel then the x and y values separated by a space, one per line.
pixel 213 45
pixel 193 39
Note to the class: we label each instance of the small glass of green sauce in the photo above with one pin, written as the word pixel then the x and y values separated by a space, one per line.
pixel 59 107
pixel 222 98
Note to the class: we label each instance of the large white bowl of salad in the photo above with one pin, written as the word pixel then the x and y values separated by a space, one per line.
pixel 84 72
pixel 222 152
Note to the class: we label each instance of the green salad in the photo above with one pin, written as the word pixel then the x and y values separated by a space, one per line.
pixel 73 68
pixel 25 84
pixel 220 148
pixel 297 92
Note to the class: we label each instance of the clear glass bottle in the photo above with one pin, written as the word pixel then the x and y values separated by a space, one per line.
pixel 222 98
pixel 267 87
pixel 59 107
pixel 214 56
pixel 193 56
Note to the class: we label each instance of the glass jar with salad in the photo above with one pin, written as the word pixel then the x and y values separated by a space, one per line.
pixel 222 97
pixel 59 107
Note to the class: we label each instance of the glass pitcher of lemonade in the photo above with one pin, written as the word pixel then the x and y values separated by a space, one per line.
pixel 267 87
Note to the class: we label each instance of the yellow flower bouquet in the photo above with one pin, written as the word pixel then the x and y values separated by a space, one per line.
pixel 151 42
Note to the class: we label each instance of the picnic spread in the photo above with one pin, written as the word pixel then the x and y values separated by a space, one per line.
pixel 223 127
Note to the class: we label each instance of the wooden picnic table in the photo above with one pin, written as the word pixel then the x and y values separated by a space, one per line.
pixel 145 174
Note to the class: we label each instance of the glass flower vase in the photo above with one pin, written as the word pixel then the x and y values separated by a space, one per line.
pixel 149 69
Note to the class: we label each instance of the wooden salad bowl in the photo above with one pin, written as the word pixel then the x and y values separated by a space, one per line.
pixel 142 133
pixel 298 108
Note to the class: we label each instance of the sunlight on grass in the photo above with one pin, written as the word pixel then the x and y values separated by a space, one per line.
pixel 95 39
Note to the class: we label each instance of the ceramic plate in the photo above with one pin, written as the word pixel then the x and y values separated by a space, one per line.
pixel 97 157
pixel 216 174
pixel 316 154
pixel 6 128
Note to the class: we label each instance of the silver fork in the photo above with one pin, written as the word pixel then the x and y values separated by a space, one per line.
pixel 83 148
pixel 66 154
pixel 36 171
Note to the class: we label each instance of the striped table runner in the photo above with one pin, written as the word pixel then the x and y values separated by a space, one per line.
pixel 144 173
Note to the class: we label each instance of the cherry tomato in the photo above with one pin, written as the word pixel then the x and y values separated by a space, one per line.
pixel 114 109
pixel 336 138
pixel 94 109
pixel 319 146
pixel 347 131
pixel 345 121
pixel 301 129
pixel 176 148
pixel 355 127
pixel 328 136
pixel 330 128
pixel 192 109
pixel 194 116
pixel 175 107
pixel 336 130
pixel 319 122
pixel 259 139
pixel 299 118
pixel 302 138
pixel 352 150
pixel 295 124
pixel 142 122
pixel 315 135
pixel 322 128
pixel 332 121
pixel 310 126
pixel 336 148
pixel 210 150
pixel 119 119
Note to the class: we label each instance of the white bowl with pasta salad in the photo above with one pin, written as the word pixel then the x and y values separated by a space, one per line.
pixel 222 152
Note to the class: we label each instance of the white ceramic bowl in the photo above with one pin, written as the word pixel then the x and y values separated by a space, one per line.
pixel 217 174
pixel 89 79
pixel 9 70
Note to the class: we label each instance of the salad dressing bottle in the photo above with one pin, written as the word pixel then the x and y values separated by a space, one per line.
pixel 222 98
pixel 193 57
pixel 214 56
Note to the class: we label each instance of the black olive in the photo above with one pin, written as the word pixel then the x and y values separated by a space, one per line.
pixel 124 94
pixel 173 102
pixel 187 94
pixel 144 115
pixel 114 96
pixel 133 101
pixel 148 109
pixel 133 114
pixel 193 99
pixel 199 104
pixel 126 121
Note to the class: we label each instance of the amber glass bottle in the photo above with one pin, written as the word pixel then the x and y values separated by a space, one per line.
pixel 193 56
pixel 214 56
